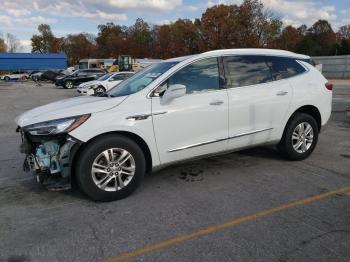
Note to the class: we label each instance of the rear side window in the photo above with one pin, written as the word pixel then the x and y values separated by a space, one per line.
pixel 284 67
pixel 246 70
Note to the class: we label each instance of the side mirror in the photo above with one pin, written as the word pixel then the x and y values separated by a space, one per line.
pixel 173 91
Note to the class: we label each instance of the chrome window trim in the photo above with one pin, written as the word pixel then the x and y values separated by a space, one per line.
pixel 218 140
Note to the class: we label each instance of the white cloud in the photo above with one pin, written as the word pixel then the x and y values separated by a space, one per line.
pixel 89 9
pixel 161 5
pixel 164 22
pixel 10 21
pixel 293 12
pixel 5 20
pixel 99 15
pixel 211 3
pixel 301 12
pixel 26 45
pixel 17 12
pixel 191 8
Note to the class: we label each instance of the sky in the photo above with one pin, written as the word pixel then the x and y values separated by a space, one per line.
pixel 21 17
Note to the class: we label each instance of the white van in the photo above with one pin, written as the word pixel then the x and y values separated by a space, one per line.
pixel 175 110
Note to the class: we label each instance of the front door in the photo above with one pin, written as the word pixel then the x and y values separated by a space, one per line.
pixel 196 123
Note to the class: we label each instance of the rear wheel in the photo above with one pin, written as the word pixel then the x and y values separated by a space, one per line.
pixel 6 78
pixel 110 168
pixel 300 137
pixel 68 84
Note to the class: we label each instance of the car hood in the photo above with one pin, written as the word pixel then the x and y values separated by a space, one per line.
pixel 66 108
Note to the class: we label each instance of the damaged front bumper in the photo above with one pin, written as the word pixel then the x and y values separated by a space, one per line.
pixel 50 158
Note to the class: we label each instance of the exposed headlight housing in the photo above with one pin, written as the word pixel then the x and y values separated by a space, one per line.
pixel 58 126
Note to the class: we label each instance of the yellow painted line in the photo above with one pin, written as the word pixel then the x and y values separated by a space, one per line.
pixel 226 225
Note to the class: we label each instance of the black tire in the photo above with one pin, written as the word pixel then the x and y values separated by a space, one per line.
pixel 99 90
pixel 87 156
pixel 285 146
pixel 69 84
pixel 6 78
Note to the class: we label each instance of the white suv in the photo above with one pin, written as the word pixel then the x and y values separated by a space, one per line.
pixel 176 110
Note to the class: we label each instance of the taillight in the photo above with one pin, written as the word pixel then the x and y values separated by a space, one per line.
pixel 329 86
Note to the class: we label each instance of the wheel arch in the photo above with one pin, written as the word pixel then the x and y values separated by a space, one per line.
pixel 310 110
pixel 136 138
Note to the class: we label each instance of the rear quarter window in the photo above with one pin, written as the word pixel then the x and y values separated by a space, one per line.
pixel 284 67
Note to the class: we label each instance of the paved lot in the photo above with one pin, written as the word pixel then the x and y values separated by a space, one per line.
pixel 37 225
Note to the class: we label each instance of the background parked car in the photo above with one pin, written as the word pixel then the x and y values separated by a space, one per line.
pixel 36 75
pixel 103 84
pixel 78 77
pixel 14 76
pixel 52 75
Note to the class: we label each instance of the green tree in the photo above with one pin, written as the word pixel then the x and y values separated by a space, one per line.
pixel 78 46
pixel 111 40
pixel 289 39
pixel 3 46
pixel 139 38
pixel 45 41
pixel 219 26
pixel 323 37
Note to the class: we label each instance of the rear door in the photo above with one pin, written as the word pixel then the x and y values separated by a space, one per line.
pixel 257 102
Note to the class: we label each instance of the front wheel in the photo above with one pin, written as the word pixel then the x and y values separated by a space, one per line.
pixel 110 168
pixel 68 84
pixel 100 90
pixel 300 137
pixel 6 78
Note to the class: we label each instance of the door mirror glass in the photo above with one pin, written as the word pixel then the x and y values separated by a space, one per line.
pixel 173 91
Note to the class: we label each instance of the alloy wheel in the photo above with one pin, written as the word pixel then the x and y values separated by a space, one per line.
pixel 99 91
pixel 69 84
pixel 302 138
pixel 113 169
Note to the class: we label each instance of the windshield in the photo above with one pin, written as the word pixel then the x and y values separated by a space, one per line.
pixel 140 80
pixel 104 77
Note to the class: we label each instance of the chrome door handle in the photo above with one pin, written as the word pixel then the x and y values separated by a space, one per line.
pixel 281 93
pixel 216 103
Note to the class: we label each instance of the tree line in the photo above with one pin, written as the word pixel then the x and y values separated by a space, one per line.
pixel 249 25
pixel 9 43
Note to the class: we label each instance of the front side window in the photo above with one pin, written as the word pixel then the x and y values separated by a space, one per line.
pixel 246 70
pixel 200 76
pixel 141 79
pixel 284 67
